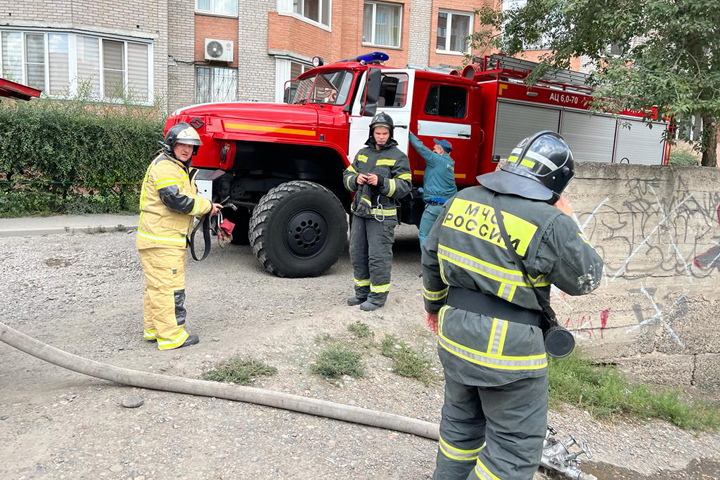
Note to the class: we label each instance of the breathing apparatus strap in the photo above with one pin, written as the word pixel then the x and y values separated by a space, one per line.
pixel 559 342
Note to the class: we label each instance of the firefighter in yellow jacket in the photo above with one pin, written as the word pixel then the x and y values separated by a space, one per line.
pixel 169 202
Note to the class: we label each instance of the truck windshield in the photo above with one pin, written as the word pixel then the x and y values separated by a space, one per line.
pixel 331 88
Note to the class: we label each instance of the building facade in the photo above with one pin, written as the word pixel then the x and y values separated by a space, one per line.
pixel 196 51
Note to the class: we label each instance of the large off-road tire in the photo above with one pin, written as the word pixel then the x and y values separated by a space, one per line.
pixel 299 229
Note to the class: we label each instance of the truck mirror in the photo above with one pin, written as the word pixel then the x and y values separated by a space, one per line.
pixel 289 94
pixel 373 92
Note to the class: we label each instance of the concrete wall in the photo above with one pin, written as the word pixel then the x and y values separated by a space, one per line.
pixel 658 230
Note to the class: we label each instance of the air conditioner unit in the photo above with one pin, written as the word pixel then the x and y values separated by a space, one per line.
pixel 219 50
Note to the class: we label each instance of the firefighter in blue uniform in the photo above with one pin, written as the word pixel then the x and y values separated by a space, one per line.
pixel 438 181
pixel 487 315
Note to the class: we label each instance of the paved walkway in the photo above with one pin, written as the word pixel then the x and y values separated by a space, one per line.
pixel 19 227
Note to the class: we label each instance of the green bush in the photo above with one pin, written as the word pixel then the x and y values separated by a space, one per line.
pixel 74 156
pixel 338 360
pixel 683 157
pixel 407 362
pixel 239 371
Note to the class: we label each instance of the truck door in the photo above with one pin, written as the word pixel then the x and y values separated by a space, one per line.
pixel 396 92
pixel 445 113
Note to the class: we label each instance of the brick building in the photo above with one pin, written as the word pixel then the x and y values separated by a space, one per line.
pixel 194 51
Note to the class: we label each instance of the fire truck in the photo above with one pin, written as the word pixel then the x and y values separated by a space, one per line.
pixel 282 163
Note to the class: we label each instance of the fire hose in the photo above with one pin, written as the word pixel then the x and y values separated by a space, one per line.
pixel 257 396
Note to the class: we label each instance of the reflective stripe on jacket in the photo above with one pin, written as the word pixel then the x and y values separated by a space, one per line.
pixel 389 163
pixel 169 201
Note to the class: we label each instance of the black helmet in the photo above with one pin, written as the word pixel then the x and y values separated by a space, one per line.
pixel 382 119
pixel 181 133
pixel 539 168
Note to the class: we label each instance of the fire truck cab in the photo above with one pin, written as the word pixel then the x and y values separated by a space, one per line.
pixel 282 164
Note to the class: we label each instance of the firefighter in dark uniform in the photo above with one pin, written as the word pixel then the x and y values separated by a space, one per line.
pixel 169 202
pixel 488 317
pixel 379 175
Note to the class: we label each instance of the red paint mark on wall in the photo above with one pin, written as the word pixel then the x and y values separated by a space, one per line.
pixel 603 321
pixel 585 325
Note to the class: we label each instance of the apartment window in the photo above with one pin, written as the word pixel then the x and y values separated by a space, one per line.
pixel 88 66
pixel 113 69
pixel 35 60
pixel 381 24
pixel 59 64
pixel 215 84
pixel 63 64
pixel 138 75
pixel 315 10
pixel 446 101
pixel 453 30
pixel 217 7
pixel 12 57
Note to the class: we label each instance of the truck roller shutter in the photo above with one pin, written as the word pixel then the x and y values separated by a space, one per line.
pixel 640 144
pixel 591 137
pixel 516 121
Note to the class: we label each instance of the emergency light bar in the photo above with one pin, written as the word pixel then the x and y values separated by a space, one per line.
pixel 374 57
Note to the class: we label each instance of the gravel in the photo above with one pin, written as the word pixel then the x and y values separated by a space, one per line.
pixel 83 294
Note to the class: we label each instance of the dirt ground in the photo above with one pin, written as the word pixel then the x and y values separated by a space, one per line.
pixel 83 294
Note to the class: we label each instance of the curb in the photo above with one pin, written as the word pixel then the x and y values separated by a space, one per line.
pixel 23 232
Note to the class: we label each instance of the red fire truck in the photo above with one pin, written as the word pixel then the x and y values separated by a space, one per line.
pixel 282 164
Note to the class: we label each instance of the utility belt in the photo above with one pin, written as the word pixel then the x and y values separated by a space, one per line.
pixel 436 201
pixel 492 306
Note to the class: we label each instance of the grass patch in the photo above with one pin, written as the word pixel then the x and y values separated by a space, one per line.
pixel 360 330
pixel 605 392
pixel 322 338
pixel 338 360
pixel 407 362
pixel 239 371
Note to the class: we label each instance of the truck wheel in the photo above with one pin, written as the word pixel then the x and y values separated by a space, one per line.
pixel 298 229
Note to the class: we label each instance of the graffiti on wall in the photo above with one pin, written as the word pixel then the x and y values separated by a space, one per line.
pixel 653 236
pixel 645 237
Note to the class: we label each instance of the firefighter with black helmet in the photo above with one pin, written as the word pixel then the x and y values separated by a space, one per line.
pixel 169 202
pixel 480 300
pixel 379 176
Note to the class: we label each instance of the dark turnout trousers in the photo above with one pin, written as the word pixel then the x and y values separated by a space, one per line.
pixel 371 254
pixel 492 432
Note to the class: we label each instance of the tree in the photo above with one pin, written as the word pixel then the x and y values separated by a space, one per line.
pixel 666 53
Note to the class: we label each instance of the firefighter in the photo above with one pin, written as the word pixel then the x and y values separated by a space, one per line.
pixel 169 201
pixel 488 317
pixel 438 181
pixel 379 175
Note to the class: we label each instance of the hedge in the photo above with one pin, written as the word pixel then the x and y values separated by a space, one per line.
pixel 74 156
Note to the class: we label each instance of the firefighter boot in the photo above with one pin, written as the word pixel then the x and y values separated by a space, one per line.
pixel 368 306
pixel 355 301
pixel 191 340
